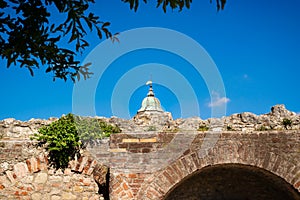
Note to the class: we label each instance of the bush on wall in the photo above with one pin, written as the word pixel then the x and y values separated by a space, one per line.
pixel 287 123
pixel 64 138
pixel 91 129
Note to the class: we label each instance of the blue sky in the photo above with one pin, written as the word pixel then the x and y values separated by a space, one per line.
pixel 253 44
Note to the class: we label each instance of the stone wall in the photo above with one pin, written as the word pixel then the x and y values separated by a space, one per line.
pixel 25 172
pixel 15 129
pixel 139 174
pixel 146 122
pixel 148 159
pixel 35 179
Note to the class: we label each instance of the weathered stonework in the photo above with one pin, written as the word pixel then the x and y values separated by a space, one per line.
pixel 16 129
pixel 35 179
pixel 162 121
pixel 233 181
pixel 274 151
pixel 144 163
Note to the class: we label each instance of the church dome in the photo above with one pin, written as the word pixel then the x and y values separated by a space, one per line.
pixel 150 103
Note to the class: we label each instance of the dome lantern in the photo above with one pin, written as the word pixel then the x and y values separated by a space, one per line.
pixel 150 103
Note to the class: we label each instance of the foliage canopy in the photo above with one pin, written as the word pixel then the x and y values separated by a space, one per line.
pixel 287 123
pixel 29 37
pixel 173 4
pixel 64 138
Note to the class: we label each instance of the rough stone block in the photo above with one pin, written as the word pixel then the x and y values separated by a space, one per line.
pixel 150 140
pixel 82 164
pixel 78 189
pixel 11 176
pixel 119 150
pixel 41 178
pixel 68 196
pixel 130 140
pixel 36 196
pixel 21 170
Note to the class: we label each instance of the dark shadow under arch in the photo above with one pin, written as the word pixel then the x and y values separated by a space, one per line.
pixel 232 182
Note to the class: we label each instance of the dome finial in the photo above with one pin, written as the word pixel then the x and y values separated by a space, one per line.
pixel 150 103
pixel 150 93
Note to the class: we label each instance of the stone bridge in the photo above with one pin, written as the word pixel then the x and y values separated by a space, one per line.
pixel 163 165
pixel 204 165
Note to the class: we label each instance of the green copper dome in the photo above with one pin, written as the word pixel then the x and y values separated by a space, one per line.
pixel 150 103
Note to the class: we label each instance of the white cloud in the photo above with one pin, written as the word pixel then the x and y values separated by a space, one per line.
pixel 217 100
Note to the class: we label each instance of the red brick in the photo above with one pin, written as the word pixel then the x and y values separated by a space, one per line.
pixel 118 178
pixel 91 168
pixel 130 195
pixel 168 177
pixel 149 195
pixel 29 165
pixel 178 172
pixel 29 189
pixel 125 186
pixel 57 185
pixel 297 185
pixel 116 185
pixel 87 166
pixel 34 166
pixel 11 176
pixel 118 190
pixel 135 191
pixel 78 164
pixel 138 181
pixel 123 195
pixel 141 176
pixel 132 175
pixel 195 160
pixel 152 194
pixel 172 173
pixel 146 150
pixel 82 164
pixel 23 193
pixel 38 164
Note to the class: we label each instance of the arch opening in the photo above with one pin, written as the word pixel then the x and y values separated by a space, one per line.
pixel 232 182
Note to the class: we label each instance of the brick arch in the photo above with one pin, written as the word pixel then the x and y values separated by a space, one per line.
pixel 232 181
pixel 160 183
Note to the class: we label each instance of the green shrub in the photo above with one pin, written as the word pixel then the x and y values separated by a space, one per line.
pixel 286 123
pixel 92 129
pixel 151 128
pixel 262 128
pixel 61 140
pixel 173 130
pixel 203 128
pixel 64 138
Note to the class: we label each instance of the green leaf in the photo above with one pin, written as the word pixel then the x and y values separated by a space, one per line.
pixel 105 24
pixel 99 33
pixel 31 71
